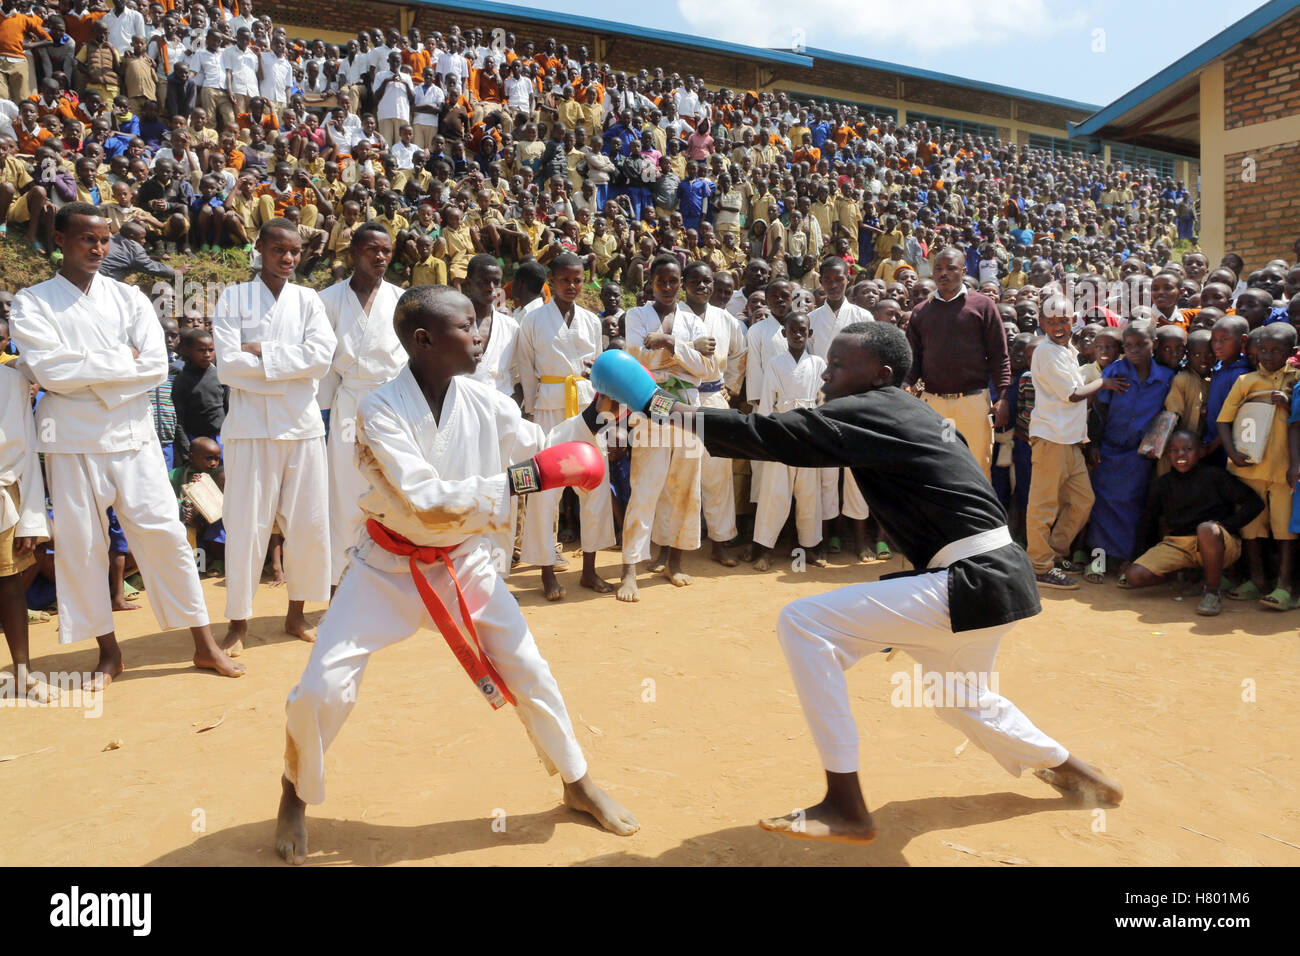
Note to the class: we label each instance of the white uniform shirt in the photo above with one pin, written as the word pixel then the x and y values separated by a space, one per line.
pixel 790 384
pixel 395 104
pixel 684 362
pixel 765 340
pixel 78 348
pixel 273 396
pixel 547 347
pixel 122 28
pixel 1057 373
pixel 277 78
pixel 431 95
pixel 499 366
pixel 439 483
pixel 367 354
pixel 208 70
pixel 242 65
pixel 824 324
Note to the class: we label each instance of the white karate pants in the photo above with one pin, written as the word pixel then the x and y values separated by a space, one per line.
pixel 595 511
pixel 665 461
pixel 717 488
pixel 855 506
pixel 777 483
pixel 824 636
pixel 270 481
pixel 374 609
pixel 134 484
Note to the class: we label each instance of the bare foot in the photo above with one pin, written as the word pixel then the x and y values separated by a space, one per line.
pixel 627 589
pixel 296 624
pixel 660 561
pixel 720 555
pixel 551 585
pixel 233 643
pixel 592 580
pixel 36 691
pixel 763 564
pixel 823 822
pixel 1076 778
pixel 749 554
pixel 586 797
pixel 217 661
pixel 122 604
pixel 291 826
pixel 107 667
pixel 277 580
pixel 678 578
pixel 866 556
pixel 819 558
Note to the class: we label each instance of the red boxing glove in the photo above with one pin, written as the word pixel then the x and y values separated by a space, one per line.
pixel 573 463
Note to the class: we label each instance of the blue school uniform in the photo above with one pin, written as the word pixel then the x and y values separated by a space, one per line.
pixel 1221 381
pixel 1120 481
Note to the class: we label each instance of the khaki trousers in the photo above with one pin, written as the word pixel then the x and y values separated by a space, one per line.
pixel 970 414
pixel 1060 501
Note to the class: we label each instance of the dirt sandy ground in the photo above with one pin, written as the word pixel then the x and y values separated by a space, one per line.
pixel 687 713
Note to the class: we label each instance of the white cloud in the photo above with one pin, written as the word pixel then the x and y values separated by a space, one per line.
pixel 884 28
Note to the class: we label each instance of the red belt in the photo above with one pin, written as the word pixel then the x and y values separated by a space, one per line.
pixel 475 662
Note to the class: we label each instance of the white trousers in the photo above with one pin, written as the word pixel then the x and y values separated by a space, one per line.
pixel 374 609
pixel 824 636
pixel 717 487
pixel 830 492
pixel 270 481
pixel 665 461
pixel 855 506
pixel 777 483
pixel 347 485
pixel 596 511
pixel 134 484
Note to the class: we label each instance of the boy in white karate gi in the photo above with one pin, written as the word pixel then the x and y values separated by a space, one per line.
pixel 274 344
pixel 439 450
pixel 824 323
pixel 96 347
pixel 793 380
pixel 557 344
pixel 360 311
pixel 674 344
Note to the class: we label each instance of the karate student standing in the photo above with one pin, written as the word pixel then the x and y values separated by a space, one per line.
pixel 557 344
pixel 96 347
pixel 793 380
pixel 444 455
pixel 360 310
pixel 274 344
pixel 674 345
pixel 973 582
pixel 824 323
pixel 717 487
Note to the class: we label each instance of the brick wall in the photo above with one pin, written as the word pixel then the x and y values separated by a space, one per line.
pixel 1259 217
pixel 1261 82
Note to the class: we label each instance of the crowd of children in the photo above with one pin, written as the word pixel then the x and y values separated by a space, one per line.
pixel 1073 330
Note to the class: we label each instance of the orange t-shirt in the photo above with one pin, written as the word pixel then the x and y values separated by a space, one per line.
pixel 14 29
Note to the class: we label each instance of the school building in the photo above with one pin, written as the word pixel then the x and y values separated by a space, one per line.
pixel 887 89
pixel 1234 104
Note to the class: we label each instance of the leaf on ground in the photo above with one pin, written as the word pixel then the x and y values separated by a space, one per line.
pixel 112 745
pixel 212 726
pixel 30 753
pixel 961 849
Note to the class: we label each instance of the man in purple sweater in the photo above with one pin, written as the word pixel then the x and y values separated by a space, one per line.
pixel 960 349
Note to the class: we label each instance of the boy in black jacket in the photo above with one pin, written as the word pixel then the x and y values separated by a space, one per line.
pixel 972 582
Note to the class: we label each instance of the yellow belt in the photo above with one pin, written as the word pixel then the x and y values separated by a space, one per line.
pixel 570 383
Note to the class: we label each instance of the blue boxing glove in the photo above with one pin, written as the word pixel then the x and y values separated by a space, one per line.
pixel 625 380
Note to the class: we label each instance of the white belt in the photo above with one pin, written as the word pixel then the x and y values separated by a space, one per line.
pixel 964 548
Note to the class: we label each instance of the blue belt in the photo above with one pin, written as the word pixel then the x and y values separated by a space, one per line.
pixel 708 388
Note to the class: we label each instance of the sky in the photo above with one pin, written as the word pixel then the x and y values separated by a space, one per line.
pixel 1092 51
